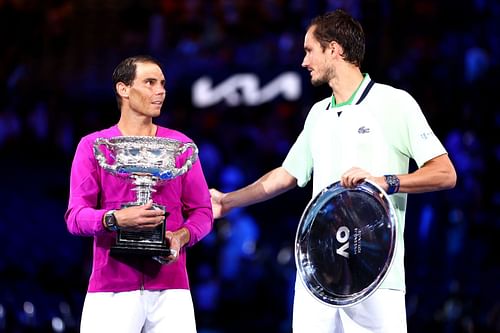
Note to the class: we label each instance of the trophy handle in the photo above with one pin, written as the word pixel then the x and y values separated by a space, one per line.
pixel 99 155
pixel 187 165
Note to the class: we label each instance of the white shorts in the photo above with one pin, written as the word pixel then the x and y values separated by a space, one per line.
pixel 383 312
pixel 138 312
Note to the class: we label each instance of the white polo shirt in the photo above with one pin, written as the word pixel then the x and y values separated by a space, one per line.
pixel 379 131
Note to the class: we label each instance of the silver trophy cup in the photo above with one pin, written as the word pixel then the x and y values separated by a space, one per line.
pixel 146 162
pixel 345 243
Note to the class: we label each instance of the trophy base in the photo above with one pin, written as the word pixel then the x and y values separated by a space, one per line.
pixel 148 243
pixel 124 249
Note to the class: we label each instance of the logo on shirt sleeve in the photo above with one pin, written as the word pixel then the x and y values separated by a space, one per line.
pixel 426 135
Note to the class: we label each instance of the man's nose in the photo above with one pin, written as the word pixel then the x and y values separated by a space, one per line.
pixel 304 62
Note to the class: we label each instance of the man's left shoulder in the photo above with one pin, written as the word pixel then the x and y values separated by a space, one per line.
pixel 388 92
pixel 173 134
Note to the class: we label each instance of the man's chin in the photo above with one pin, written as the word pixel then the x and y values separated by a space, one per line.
pixel 155 113
pixel 317 83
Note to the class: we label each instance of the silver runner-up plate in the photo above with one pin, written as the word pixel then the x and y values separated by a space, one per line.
pixel 345 243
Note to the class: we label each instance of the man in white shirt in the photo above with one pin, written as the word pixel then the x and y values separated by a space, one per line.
pixel 363 131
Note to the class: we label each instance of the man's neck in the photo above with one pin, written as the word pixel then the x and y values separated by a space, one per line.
pixel 137 127
pixel 345 84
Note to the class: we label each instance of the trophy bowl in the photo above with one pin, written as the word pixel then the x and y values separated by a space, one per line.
pixel 147 162
pixel 345 243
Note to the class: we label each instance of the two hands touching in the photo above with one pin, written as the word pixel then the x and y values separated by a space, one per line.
pixel 147 216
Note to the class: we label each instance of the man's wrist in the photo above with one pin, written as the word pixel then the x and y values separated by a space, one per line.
pixel 393 183
pixel 184 235
pixel 109 221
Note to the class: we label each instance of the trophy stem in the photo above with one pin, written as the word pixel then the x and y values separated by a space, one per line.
pixel 144 187
pixel 143 195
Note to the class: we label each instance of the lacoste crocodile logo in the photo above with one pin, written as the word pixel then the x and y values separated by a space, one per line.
pixel 363 130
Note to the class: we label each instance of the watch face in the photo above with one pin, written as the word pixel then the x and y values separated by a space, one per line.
pixel 110 220
pixel 345 243
pixel 392 180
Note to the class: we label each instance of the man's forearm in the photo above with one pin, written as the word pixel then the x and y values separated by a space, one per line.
pixel 268 186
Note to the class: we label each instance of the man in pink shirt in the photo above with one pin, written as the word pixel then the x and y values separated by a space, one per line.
pixel 137 293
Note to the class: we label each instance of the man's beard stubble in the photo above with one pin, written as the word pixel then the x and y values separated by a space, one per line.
pixel 325 78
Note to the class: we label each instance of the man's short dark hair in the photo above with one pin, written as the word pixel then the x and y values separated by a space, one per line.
pixel 342 28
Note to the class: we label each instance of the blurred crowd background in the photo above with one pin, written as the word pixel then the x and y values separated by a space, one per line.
pixel 235 85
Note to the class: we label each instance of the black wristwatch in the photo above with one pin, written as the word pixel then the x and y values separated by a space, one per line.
pixel 393 182
pixel 110 221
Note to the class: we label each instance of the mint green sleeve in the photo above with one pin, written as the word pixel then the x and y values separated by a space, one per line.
pixel 417 139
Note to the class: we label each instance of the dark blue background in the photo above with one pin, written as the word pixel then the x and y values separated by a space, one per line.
pixel 56 59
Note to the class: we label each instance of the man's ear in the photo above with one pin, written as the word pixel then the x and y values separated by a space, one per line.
pixel 334 47
pixel 331 47
pixel 122 89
